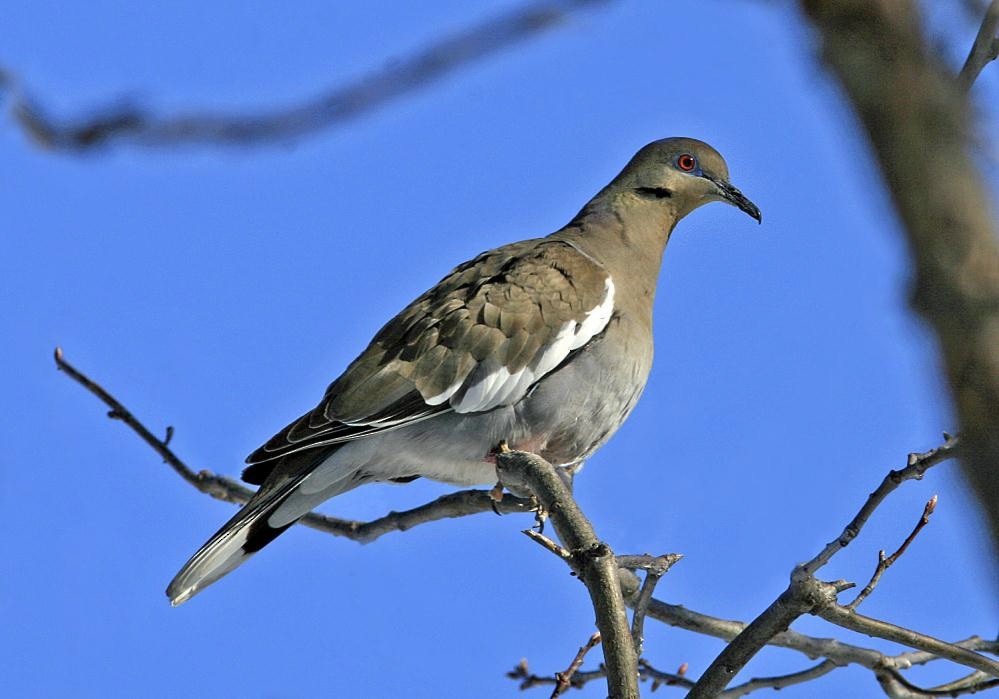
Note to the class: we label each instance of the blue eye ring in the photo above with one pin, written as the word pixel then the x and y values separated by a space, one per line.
pixel 686 162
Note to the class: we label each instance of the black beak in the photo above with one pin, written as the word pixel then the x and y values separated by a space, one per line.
pixel 735 197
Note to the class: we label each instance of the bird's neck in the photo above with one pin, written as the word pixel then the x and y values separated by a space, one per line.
pixel 628 234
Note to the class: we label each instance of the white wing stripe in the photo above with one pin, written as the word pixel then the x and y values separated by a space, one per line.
pixel 445 394
pixel 490 385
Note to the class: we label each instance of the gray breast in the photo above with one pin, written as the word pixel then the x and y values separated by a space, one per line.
pixel 579 406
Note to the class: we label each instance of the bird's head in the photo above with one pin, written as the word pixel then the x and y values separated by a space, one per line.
pixel 686 172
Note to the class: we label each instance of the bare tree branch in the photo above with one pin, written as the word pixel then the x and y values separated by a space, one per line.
pixel 915 114
pixel 849 619
pixel 886 563
pixel 331 108
pixel 528 679
pixel 897 687
pixel 669 679
pixel 656 567
pixel 985 49
pixel 810 646
pixel 916 466
pixel 550 545
pixel 563 680
pixel 458 504
pixel 838 652
pixel 593 559
pixel 781 681
pixel 470 502
pixel 805 594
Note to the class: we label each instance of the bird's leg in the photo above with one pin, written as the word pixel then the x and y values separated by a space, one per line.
pixel 540 516
pixel 568 474
pixel 496 494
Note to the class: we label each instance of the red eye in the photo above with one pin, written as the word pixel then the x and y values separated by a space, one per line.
pixel 686 162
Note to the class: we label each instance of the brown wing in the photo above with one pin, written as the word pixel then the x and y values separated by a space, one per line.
pixel 479 338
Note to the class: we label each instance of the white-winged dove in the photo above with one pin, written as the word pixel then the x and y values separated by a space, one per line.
pixel 545 344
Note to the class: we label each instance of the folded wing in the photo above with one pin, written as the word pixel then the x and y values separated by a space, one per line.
pixel 478 340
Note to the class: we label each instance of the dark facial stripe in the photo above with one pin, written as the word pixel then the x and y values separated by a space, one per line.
pixel 654 192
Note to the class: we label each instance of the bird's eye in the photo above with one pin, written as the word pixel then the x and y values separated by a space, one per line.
pixel 686 162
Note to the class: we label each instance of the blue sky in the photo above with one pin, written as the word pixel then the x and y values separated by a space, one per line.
pixel 220 290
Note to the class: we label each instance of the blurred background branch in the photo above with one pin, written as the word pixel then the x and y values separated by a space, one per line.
pixel 335 106
pixel 916 116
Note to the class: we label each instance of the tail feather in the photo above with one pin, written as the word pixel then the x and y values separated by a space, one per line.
pixel 238 539
pixel 269 513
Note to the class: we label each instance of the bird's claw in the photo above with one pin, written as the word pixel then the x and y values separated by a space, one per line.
pixel 496 497
pixel 540 516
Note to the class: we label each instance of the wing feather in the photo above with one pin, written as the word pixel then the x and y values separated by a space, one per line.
pixel 478 340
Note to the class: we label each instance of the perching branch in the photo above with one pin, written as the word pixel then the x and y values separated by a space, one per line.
pixel 331 108
pixel 593 559
pixel 458 504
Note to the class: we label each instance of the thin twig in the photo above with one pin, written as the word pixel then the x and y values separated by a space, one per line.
pixel 563 680
pixel 332 107
pixel 780 681
pixel 886 563
pixel 550 545
pixel 459 504
pixel 984 50
pixel 657 567
pixel 528 679
pixel 660 678
pixel 896 686
pixel 916 466
pixel 973 680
